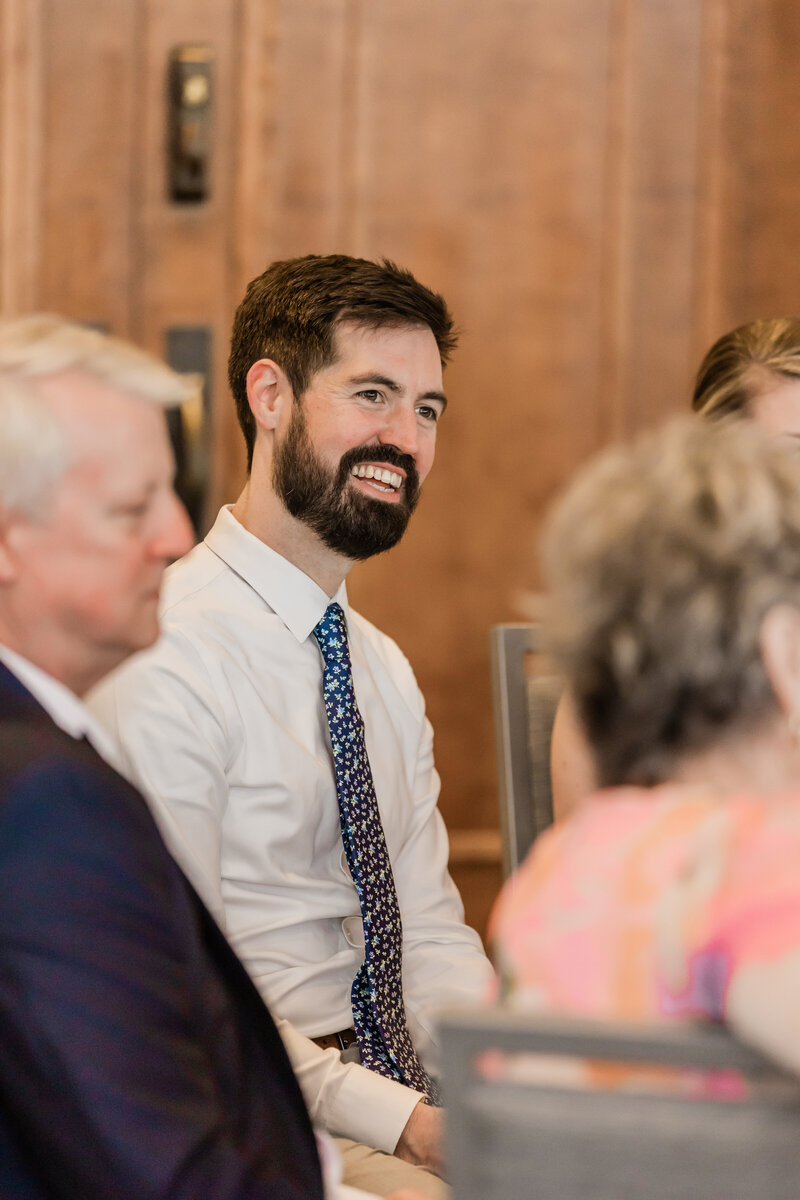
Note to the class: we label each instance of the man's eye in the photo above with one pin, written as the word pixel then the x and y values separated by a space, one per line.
pixel 371 394
pixel 428 413
pixel 134 511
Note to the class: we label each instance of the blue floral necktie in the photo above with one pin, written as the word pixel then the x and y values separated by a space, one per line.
pixel 379 1016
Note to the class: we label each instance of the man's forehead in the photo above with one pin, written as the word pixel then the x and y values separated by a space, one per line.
pixel 96 416
pixel 366 350
pixel 350 333
pixel 75 388
pixel 75 392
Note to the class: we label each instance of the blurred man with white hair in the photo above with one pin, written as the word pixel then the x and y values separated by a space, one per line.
pixel 136 1058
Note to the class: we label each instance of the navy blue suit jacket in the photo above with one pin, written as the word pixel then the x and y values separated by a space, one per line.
pixel 137 1060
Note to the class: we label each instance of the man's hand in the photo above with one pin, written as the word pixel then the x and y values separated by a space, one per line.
pixel 421 1140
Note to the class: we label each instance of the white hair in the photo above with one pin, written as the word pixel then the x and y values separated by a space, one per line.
pixel 33 450
pixel 663 558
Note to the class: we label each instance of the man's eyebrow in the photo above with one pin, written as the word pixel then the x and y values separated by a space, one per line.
pixel 440 396
pixel 376 377
pixel 394 386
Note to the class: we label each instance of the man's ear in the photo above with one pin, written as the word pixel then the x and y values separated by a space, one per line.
pixel 9 561
pixel 268 392
pixel 780 650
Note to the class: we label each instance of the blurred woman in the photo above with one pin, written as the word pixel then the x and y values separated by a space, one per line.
pixel 674 572
pixel 753 372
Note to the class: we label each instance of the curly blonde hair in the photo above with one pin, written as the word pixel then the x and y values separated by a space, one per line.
pixel 662 560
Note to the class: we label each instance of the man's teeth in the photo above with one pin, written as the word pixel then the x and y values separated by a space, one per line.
pixel 377 475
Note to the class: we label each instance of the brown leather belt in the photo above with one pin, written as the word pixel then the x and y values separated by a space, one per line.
pixel 338 1041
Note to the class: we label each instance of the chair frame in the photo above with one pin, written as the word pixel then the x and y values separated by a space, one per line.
pixel 520 821
pixel 512 1139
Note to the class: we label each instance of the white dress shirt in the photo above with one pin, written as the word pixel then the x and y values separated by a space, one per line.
pixel 223 725
pixel 60 703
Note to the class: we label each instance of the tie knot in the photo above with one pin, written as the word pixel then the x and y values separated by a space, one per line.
pixel 331 633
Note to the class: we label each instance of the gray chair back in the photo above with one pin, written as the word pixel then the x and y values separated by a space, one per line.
pixel 508 1138
pixel 524 704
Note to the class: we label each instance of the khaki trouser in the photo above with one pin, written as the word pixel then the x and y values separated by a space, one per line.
pixel 373 1171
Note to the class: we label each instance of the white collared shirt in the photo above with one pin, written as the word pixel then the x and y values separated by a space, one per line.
pixel 223 725
pixel 60 703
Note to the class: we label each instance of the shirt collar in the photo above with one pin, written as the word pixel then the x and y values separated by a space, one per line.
pixel 294 596
pixel 65 708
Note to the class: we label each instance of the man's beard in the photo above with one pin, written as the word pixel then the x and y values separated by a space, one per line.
pixel 346 521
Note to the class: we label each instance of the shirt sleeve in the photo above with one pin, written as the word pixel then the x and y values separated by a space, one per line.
pixel 346 1098
pixel 167 719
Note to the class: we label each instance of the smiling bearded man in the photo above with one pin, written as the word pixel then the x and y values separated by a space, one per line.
pixel 354 525
pixel 283 738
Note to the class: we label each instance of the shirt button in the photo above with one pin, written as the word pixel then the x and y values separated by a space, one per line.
pixel 354 932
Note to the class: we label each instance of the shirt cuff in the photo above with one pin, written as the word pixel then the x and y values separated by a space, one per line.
pixel 370 1108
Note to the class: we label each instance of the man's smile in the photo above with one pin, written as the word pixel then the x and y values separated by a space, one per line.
pixel 379 478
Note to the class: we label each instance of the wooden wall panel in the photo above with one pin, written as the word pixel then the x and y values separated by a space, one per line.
pixel 21 150
pixel 656 178
pixel 90 101
pixel 183 268
pixel 295 130
pixel 483 169
pixel 713 166
pixel 759 196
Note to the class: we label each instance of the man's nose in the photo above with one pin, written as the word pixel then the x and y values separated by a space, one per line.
pixel 401 430
pixel 175 536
